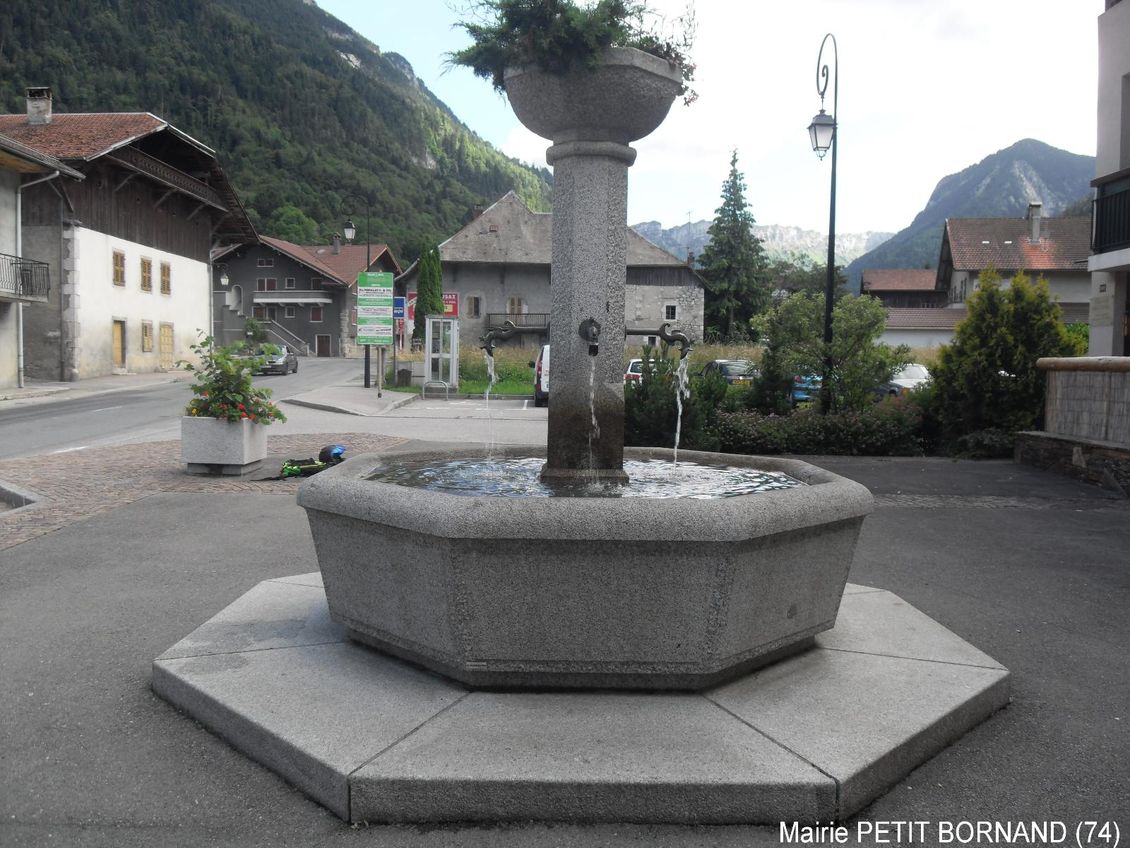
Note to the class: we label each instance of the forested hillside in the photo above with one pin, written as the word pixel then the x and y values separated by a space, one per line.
pixel 300 109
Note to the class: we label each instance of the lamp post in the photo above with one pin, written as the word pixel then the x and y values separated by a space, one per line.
pixel 823 132
pixel 350 233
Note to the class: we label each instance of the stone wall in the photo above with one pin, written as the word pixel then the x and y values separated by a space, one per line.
pixel 1088 398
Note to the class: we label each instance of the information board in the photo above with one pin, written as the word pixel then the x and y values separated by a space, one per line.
pixel 374 308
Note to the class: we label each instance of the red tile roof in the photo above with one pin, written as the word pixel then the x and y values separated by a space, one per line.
pixel 976 243
pixel 301 254
pixel 351 260
pixel 899 279
pixel 942 318
pixel 81 136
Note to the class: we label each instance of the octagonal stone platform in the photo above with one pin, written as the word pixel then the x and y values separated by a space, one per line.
pixel 817 736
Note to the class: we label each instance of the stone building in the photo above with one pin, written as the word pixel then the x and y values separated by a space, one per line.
pixel 127 246
pixel 497 268
pixel 304 295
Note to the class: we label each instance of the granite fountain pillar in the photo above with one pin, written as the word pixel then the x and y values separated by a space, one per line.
pixel 591 115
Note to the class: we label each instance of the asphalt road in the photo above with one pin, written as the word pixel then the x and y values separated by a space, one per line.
pixel 38 426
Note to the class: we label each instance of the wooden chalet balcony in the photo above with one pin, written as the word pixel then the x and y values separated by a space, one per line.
pixel 1111 213
pixel 172 178
pixel 24 279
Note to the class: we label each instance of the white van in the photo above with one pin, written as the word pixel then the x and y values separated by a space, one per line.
pixel 541 377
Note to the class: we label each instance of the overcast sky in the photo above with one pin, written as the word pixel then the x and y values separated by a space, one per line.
pixel 927 88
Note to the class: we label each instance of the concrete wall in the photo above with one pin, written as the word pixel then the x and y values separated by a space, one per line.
pixel 917 338
pixel 100 303
pixel 9 349
pixel 1113 153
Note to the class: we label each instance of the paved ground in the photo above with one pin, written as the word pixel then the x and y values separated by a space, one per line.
pixel 129 555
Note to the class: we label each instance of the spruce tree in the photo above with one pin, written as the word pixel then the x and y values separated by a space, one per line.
pixel 733 263
pixel 429 291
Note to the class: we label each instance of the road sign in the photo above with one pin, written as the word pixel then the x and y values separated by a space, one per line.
pixel 399 307
pixel 374 308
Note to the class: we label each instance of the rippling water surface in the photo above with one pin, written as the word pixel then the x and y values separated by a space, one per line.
pixel 518 478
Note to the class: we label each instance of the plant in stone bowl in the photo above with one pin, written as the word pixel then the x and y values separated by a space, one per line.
pixel 223 388
pixel 559 36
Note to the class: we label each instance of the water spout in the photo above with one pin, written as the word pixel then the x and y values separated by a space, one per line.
pixel 493 334
pixel 590 332
pixel 669 337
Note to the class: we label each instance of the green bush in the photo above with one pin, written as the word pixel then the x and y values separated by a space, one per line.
pixel 986 444
pixel 988 379
pixel 651 411
pixel 890 428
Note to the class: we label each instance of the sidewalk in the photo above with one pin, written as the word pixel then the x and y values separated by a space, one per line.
pixel 91 386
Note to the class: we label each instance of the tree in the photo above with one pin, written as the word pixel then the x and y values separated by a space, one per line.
pixel 798 272
pixel 987 379
pixel 795 330
pixel 429 290
pixel 290 223
pixel 733 263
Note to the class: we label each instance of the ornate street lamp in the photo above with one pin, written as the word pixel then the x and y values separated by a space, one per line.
pixel 823 133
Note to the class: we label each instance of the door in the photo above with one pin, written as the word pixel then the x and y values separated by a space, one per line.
pixel 165 347
pixel 119 344
pixel 322 345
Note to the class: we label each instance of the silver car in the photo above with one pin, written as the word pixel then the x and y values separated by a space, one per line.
pixel 278 359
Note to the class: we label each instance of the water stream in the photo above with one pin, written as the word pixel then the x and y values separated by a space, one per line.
pixel 492 378
pixel 594 429
pixel 682 391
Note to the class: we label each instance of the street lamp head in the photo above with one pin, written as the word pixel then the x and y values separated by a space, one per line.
pixel 349 230
pixel 822 132
pixel 224 279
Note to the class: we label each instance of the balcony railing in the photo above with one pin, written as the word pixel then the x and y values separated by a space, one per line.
pixel 24 279
pixel 1112 216
pixel 532 320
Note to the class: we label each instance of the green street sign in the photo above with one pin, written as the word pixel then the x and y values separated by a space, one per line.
pixel 374 308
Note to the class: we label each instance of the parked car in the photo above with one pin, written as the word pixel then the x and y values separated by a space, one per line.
pixel 912 376
pixel 741 371
pixel 541 377
pixel 806 388
pixel 278 359
pixel 634 372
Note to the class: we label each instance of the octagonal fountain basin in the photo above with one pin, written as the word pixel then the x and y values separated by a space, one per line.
pixel 600 589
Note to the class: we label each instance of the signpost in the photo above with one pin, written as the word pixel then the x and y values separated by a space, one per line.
pixel 374 316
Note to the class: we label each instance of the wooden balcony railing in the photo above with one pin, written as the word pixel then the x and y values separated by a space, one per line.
pixel 24 279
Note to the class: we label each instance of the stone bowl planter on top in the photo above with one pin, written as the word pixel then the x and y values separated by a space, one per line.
pixel 216 446
pixel 583 592
pixel 623 99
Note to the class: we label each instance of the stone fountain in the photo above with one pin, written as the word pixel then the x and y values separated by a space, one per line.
pixel 582 658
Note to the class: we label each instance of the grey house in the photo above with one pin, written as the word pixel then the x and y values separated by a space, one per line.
pixel 305 295
pixel 496 269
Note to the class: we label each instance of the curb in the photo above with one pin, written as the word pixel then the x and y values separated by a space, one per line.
pixel 332 407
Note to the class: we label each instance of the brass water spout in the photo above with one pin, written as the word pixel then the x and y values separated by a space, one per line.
pixel 493 334
pixel 670 337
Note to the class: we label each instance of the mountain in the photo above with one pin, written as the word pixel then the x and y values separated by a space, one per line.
pixel 999 186
pixel 779 241
pixel 299 108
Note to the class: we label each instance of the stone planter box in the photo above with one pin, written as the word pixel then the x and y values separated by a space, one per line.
pixel 215 446
pixel 583 592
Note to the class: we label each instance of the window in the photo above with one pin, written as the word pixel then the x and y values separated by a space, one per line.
pixel 290 312
pixel 315 283
pixel 474 307
pixel 265 262
pixel 147 335
pixel 119 268
pixel 266 284
pixel 290 282
pixel 671 312
pixel 272 313
pixel 315 314
pixel 515 306
pixel 258 313
pixel 652 341
pixel 166 278
pixel 147 277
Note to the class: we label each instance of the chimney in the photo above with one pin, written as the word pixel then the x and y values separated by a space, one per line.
pixel 38 105
pixel 337 244
pixel 1034 210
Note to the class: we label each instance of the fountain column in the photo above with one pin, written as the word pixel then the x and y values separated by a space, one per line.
pixel 591 115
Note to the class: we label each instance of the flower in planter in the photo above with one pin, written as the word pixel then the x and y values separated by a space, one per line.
pixel 559 35
pixel 222 387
